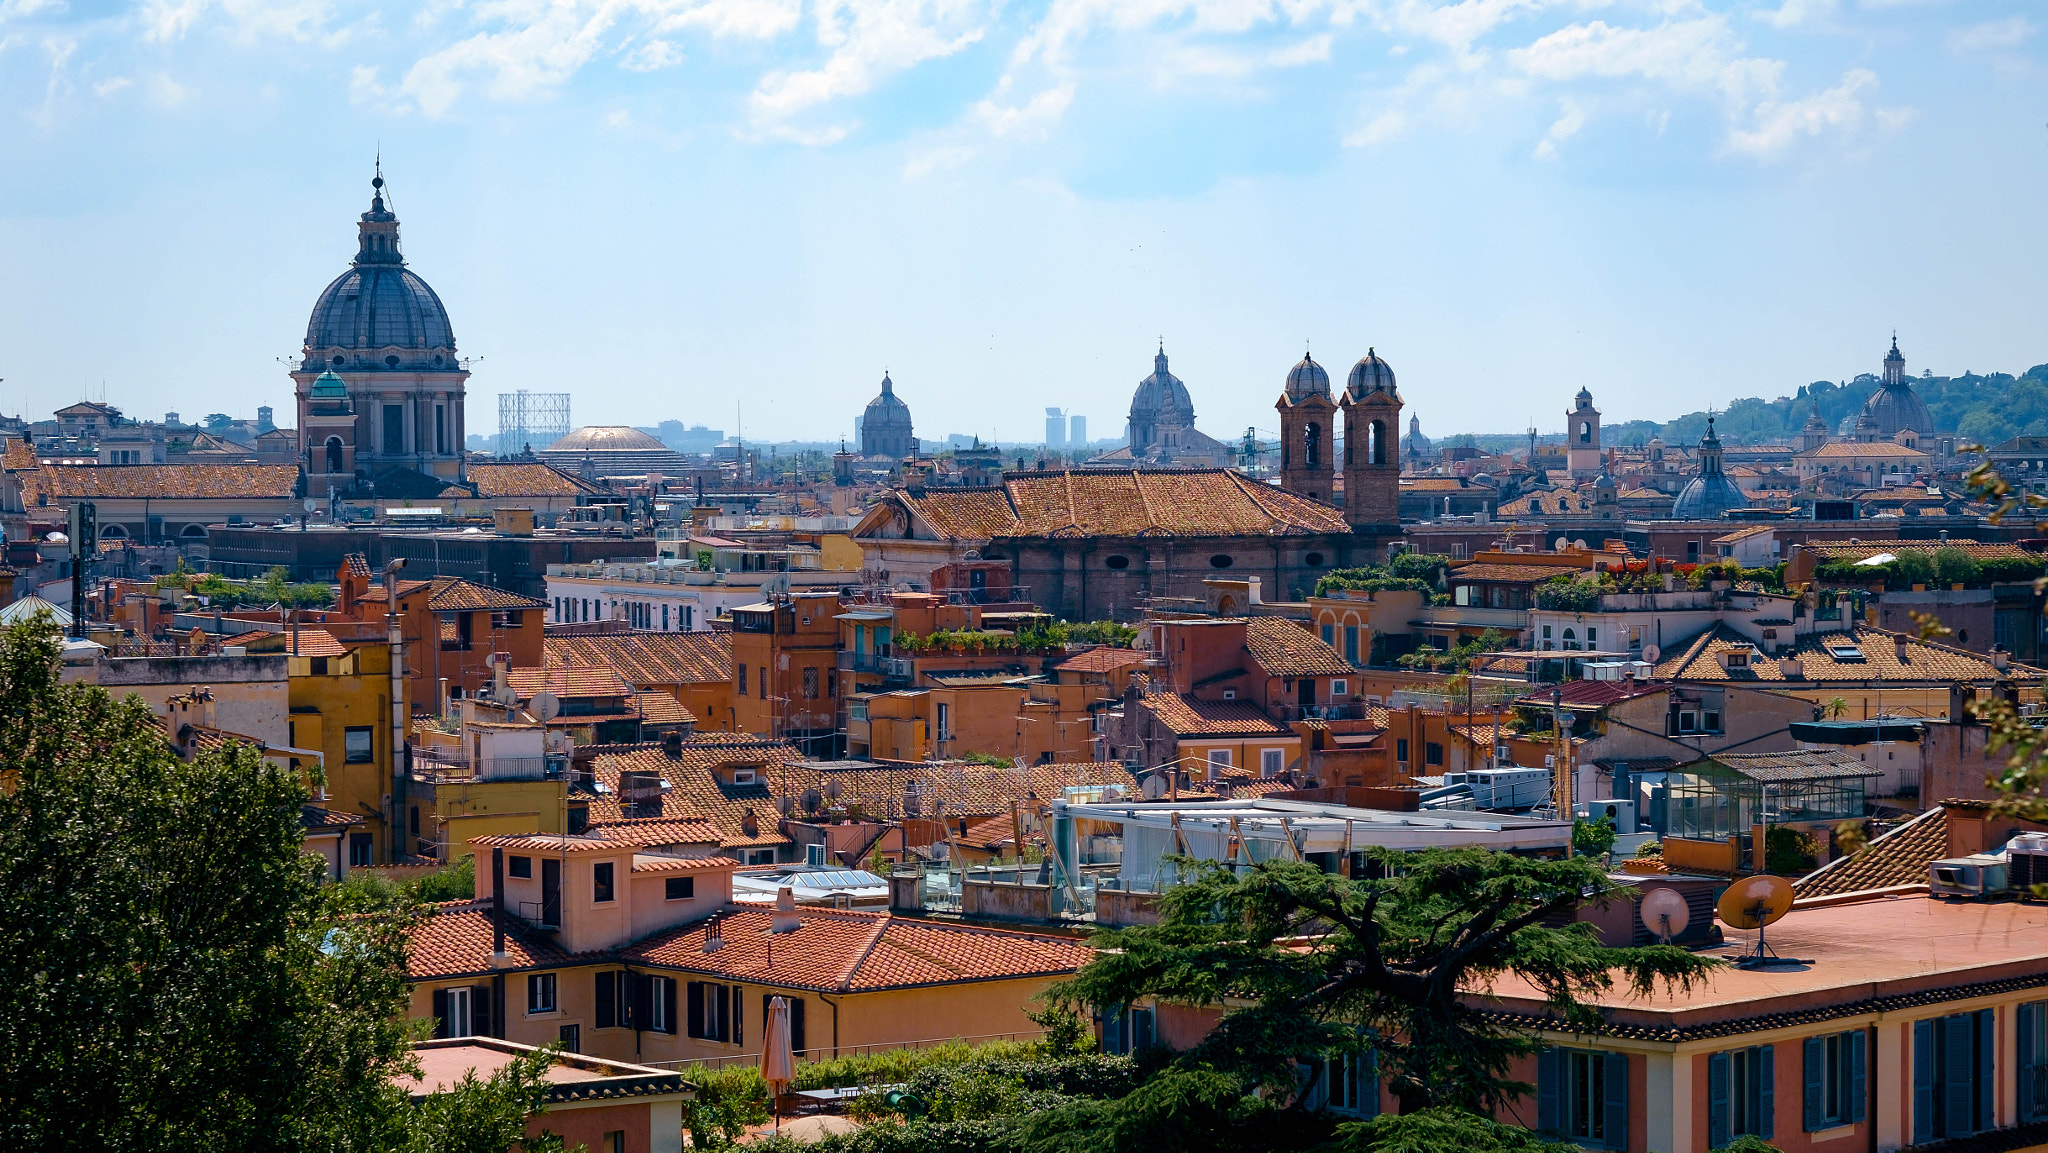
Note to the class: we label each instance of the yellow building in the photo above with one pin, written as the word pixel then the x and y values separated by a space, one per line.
pixel 340 701
pixel 501 773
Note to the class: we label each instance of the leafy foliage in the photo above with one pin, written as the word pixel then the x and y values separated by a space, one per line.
pixel 1459 657
pixel 1790 851
pixel 274 587
pixel 1439 1130
pixel 1593 838
pixel 1406 572
pixel 1570 594
pixel 1946 566
pixel 1395 952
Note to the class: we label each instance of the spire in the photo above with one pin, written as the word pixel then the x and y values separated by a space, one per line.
pixel 377 230
pixel 1894 364
pixel 1159 359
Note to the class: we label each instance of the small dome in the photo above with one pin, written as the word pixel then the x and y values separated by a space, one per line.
pixel 1707 497
pixel 1893 409
pixel 379 314
pixel 328 386
pixel 1307 379
pixel 886 408
pixel 607 438
pixel 1370 374
pixel 1585 394
pixel 1606 481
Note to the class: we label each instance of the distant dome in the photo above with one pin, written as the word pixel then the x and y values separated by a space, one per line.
pixel 607 438
pixel 379 311
pixel 1307 379
pixel 328 386
pixel 1711 493
pixel 1160 403
pixel 1369 374
pixel 885 427
pixel 1893 409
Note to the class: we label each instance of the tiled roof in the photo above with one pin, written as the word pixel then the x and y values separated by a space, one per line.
pixel 661 709
pixel 455 941
pixel 851 951
pixel 1552 503
pixel 1100 659
pixel 1796 765
pixel 1697 659
pixel 1746 533
pixel 694 793
pixel 1521 573
pixel 316 817
pixel 453 594
pixel 1842 449
pixel 517 480
pixel 663 863
pixel 646 659
pixel 1434 483
pixel 19 454
pixel 1591 694
pixel 1134 503
pixel 1900 857
pixel 1283 648
pixel 946 788
pixel 566 681
pixel 358 565
pixel 1863 550
pixel 547 842
pixel 163 482
pixel 1188 717
pixel 656 831
pixel 310 642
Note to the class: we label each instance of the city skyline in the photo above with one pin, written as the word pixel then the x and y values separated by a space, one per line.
pixel 659 207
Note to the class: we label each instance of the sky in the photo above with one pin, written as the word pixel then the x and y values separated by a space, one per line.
pixel 740 213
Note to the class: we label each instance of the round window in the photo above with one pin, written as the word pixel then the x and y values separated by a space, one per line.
pixel 1221 560
pixel 1314 558
pixel 437 362
pixel 391 362
pixel 1118 562
pixel 339 360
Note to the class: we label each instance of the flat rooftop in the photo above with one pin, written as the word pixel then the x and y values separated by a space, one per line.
pixel 1858 953
pixel 444 1063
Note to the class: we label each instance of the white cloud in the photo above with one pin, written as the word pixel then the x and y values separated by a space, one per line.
pixel 1571 117
pixel 111 85
pixel 1388 125
pixel 165 92
pixel 520 63
pixel 1779 124
pixel 1793 13
pixel 870 40
pixel 754 19
pixel 1694 56
pixel 24 9
pixel 651 56
pixel 364 88
pixel 1992 35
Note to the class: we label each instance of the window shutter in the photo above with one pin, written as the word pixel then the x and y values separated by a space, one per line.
pixel 1923 1081
pixel 739 1016
pixel 480 1011
pixel 668 1006
pixel 695 996
pixel 1958 1094
pixel 1986 1078
pixel 1858 1086
pixel 796 1024
pixel 607 1002
pixel 1615 1105
pixel 1369 1084
pixel 440 1013
pixel 2027 1104
pixel 643 1007
pixel 1815 1067
pixel 1767 1092
pixel 1549 1089
pixel 1717 1100
pixel 1113 1028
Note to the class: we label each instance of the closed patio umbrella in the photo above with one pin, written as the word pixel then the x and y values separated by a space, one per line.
pixel 778 1063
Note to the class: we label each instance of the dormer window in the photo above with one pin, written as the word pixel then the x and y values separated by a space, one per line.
pixel 743 776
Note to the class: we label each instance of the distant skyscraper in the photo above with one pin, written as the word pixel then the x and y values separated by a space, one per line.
pixel 1078 431
pixel 1055 428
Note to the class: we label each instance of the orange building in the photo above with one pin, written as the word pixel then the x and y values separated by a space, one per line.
pixel 784 654
pixel 694 668
pixel 450 627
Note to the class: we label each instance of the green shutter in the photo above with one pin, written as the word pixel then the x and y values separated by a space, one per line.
pixel 1767 1092
pixel 1549 1089
pixel 1923 1081
pixel 1858 1083
pixel 1614 1103
pixel 1814 1067
pixel 1717 1100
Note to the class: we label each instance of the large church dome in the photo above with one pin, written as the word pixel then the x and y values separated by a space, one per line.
pixel 885 425
pixel 379 314
pixel 1894 407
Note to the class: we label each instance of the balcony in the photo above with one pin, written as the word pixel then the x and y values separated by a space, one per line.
pixel 1477 617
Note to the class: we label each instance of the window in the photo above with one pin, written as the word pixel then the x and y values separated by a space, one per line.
pixel 319 666
pixel 360 850
pixel 601 882
pixel 394 429
pixel 1546 632
pixel 1952 1075
pixel 764 682
pixel 355 745
pixel 1126 1030
pixel 945 725
pixel 743 680
pixel 505 619
pixel 1218 759
pixel 1741 1094
pixel 519 866
pixel 1340 687
pixel 1330 635
pixel 540 993
pixel 606 1012
pixel 614 1141
pixel 1401 749
pixel 1583 1096
pixel 1272 762
pixel 681 888
pixel 714 1012
pixel 1351 1084
pixel 661 1004
pixel 2033 1061
pixel 571 1037
pixel 464 1011
pixel 1432 753
pixel 1351 643
pixel 810 684
pixel 760 856
pixel 1834 1080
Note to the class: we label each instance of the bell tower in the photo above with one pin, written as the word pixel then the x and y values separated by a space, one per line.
pixel 1308 425
pixel 1372 448
pixel 1582 439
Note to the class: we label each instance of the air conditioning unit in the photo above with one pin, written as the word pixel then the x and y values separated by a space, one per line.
pixel 1974 877
pixel 1621 812
pixel 2027 855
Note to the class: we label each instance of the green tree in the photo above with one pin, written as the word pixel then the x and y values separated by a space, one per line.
pixel 1593 838
pixel 1438 1131
pixel 172 972
pixel 1392 955
pixel 1954 566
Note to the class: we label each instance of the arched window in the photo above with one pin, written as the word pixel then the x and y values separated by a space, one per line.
pixel 1312 446
pixel 194 532
pixel 1376 442
pixel 333 454
pixel 1585 432
pixel 1570 639
pixel 113 532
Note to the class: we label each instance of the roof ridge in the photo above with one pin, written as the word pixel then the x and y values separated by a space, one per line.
pixel 1870 846
pixel 845 979
pixel 1144 502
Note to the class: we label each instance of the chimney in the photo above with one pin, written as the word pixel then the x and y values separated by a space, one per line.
pixel 714 936
pixel 501 683
pixel 1999 659
pixel 672 745
pixel 1790 668
pixel 785 919
pixel 1842 609
pixel 1900 642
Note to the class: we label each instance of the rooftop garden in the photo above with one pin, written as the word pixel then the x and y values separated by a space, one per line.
pixel 1425 573
pixel 1941 567
pixel 274 587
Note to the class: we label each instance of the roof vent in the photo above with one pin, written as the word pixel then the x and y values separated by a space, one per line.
pixel 1845 652
pixel 714 936
pixel 785 919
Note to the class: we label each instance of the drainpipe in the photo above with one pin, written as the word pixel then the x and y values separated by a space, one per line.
pixel 396 639
pixel 835 1022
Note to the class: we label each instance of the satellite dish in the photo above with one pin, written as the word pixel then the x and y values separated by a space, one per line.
pixel 312 505
pixel 1665 914
pixel 1753 902
pixel 1155 787
pixel 1651 653
pixel 546 706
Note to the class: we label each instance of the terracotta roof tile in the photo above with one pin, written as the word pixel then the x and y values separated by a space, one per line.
pixel 316 817
pixel 649 659
pixel 1188 717
pixel 455 941
pixel 1100 659
pixel 663 863
pixel 845 950
pixel 162 482
pixel 453 594
pixel 1591 694
pixel 662 709
pixel 1524 573
pixel 1698 659
pixel 567 681
pixel 1863 550
pixel 1283 648
pixel 1137 503
pixel 657 831
pixel 1899 857
pixel 1842 449
pixel 745 815
pixel 517 480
